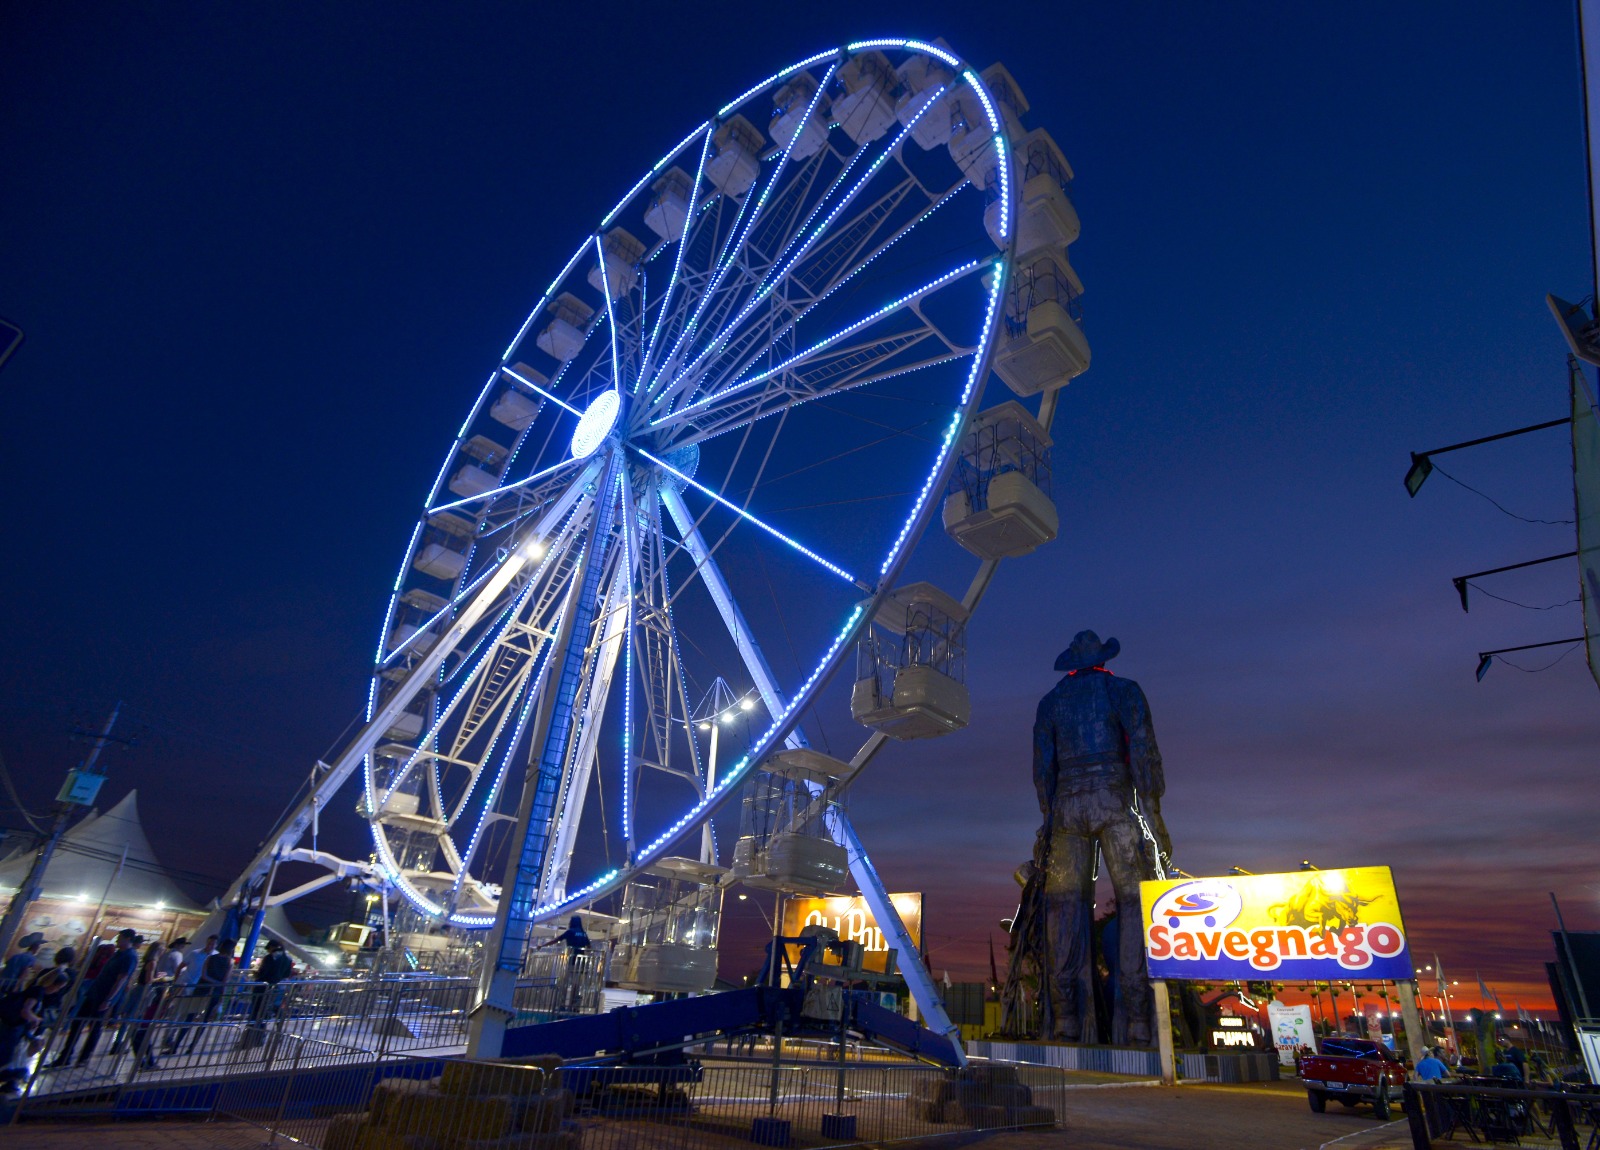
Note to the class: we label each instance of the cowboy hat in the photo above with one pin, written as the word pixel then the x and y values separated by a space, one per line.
pixel 1087 651
pixel 29 941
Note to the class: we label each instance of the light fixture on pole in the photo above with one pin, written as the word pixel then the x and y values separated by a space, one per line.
pixel 1486 658
pixel 1422 461
pixel 717 709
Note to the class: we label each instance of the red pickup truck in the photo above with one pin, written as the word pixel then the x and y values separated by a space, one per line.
pixel 1353 1070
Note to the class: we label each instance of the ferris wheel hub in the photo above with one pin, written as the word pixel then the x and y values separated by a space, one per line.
pixel 595 424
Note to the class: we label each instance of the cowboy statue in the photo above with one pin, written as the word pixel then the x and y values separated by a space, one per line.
pixel 1098 773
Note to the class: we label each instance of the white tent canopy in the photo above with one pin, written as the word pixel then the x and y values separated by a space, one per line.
pixel 87 856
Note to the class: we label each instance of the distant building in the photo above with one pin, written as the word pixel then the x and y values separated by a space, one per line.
pixel 84 869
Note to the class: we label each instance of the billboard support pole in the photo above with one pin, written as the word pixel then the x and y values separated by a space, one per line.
pixel 1162 1007
pixel 1416 1037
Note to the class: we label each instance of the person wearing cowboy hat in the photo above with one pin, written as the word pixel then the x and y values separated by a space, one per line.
pixel 1097 771
pixel 18 965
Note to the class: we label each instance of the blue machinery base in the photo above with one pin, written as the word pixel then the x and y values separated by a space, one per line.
pixel 656 1033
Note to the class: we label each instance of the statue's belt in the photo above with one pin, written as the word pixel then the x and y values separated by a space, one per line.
pixel 1104 759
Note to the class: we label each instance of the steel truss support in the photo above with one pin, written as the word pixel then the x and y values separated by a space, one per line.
pixel 918 978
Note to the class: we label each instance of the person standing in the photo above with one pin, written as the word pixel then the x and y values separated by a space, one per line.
pixel 172 961
pixel 1432 1067
pixel 54 983
pixel 20 964
pixel 20 1020
pixel 136 998
pixel 186 992
pixel 214 975
pixel 274 967
pixel 101 996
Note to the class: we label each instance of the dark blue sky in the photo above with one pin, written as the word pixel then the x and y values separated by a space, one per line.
pixel 265 254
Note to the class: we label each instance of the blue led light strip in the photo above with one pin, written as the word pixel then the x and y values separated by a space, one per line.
pixel 771 282
pixel 661 163
pixel 611 316
pixel 548 471
pixel 743 514
pixel 689 220
pixel 627 668
pixel 823 344
pixel 732 251
pixel 548 395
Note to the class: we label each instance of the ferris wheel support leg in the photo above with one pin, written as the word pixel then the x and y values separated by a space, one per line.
pixel 557 714
pixel 918 978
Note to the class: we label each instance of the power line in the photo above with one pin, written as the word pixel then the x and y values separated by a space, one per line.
pixel 1478 587
pixel 1498 505
pixel 1535 670
pixel 16 801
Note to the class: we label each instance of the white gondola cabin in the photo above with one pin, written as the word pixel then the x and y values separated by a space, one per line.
pixel 1041 346
pixel 670 204
pixel 1046 217
pixel 667 941
pixel 999 504
pixel 563 333
pixel 622 255
pixel 866 110
pixel 926 87
pixel 803 135
pixel 734 162
pixel 785 842
pixel 971 137
pixel 910 669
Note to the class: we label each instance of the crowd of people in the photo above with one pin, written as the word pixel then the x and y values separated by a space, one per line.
pixel 124 991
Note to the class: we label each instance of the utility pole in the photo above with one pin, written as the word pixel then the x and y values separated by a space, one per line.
pixel 80 789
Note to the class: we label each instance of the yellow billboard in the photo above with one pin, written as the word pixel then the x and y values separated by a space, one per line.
pixel 854 922
pixel 1302 926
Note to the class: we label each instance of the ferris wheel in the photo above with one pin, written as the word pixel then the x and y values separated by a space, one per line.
pixel 705 457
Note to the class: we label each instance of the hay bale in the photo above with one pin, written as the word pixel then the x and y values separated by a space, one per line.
pixel 544 1113
pixel 344 1132
pixel 990 1074
pixel 391 1096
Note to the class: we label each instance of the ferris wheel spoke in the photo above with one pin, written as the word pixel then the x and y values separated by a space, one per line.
pixel 521 485
pixel 834 377
pixel 690 223
pixel 851 235
pixel 908 302
pixel 748 517
pixel 531 386
pixel 783 319
pixel 736 249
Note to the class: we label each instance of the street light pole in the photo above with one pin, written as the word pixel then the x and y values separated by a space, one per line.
pixel 81 787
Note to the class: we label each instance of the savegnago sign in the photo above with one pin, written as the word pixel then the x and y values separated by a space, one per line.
pixel 1307 925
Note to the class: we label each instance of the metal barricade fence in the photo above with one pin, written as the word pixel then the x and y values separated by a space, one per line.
pixel 430 1103
pixel 558 985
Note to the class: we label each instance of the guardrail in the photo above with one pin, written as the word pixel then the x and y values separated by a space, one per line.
pixel 1478 1112
pixel 636 1107
pixel 328 1097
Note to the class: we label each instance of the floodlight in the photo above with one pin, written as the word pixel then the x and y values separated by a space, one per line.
pixel 745 704
pixel 1483 665
pixel 1421 468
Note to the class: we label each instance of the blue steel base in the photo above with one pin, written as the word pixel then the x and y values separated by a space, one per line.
pixel 633 1033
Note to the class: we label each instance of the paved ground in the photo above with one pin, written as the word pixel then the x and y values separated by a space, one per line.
pixel 1264 1116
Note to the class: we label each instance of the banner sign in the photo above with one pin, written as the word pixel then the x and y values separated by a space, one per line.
pixel 1586 498
pixel 1291 1030
pixel 854 922
pixel 1305 926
